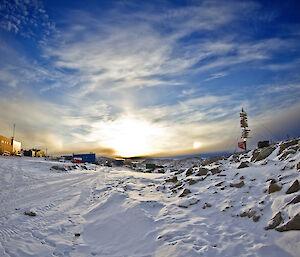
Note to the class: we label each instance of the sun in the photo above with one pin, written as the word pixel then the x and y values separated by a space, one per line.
pixel 131 137
pixel 196 144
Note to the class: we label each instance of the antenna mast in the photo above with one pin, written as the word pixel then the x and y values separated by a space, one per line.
pixel 13 136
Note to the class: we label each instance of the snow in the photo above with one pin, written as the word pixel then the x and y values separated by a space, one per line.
pixel 104 211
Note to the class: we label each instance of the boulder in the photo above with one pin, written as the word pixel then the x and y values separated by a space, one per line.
pixel 275 221
pixel 202 172
pixel 185 192
pixel 243 165
pixel 206 205
pixel 189 172
pixel 215 171
pixel 293 224
pixel 294 200
pixel 30 213
pixel 219 184
pixel 237 185
pixel 264 153
pixel 274 188
pixel 256 218
pixel 254 155
pixel 62 168
pixel 295 187
pixel 192 181
pixel 172 180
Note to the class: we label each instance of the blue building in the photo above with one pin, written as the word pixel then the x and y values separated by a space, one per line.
pixel 91 157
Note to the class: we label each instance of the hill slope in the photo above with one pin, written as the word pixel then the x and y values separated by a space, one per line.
pixel 212 207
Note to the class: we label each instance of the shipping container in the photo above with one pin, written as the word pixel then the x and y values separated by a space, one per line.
pixel 91 158
pixel 150 166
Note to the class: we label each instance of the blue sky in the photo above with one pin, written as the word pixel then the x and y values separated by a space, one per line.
pixel 148 77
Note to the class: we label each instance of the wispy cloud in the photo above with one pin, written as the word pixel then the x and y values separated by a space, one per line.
pixel 151 66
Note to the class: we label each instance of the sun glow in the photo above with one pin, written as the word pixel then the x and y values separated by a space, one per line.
pixel 132 137
pixel 196 145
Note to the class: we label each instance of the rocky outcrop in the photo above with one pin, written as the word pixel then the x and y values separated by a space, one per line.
pixel 285 145
pixel 295 187
pixel 275 221
pixel 293 224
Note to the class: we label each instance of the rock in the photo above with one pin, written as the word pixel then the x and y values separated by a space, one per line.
pixel 172 180
pixel 189 172
pixel 243 165
pixel 244 214
pixel 248 214
pixel 32 214
pixel 293 224
pixel 219 184
pixel 176 185
pixel 298 166
pixel 275 221
pixel 77 234
pixel 237 185
pixel 294 200
pixel 62 168
pixel 274 188
pixel 272 180
pixel 286 154
pixel 206 205
pixel 192 182
pixel 251 213
pixel 202 172
pixel 212 159
pixel 295 187
pixel 286 145
pixel 256 218
pixel 179 172
pixel 242 177
pixel 263 154
pixel 254 155
pixel 215 171
pixel 185 192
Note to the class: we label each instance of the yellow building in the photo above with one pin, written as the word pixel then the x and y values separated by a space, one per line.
pixel 16 147
pixel 39 153
pixel 5 145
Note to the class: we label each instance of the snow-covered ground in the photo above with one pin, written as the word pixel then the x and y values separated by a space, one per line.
pixel 187 211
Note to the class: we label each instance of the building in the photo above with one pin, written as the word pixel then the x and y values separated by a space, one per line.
pixel 16 147
pixel 5 145
pixel 29 153
pixel 39 153
pixel 91 157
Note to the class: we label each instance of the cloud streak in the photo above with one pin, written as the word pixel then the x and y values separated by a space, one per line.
pixel 181 70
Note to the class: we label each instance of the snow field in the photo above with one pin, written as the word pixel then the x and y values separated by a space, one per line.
pixel 102 211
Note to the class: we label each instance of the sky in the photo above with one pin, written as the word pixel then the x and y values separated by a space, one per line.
pixel 148 78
